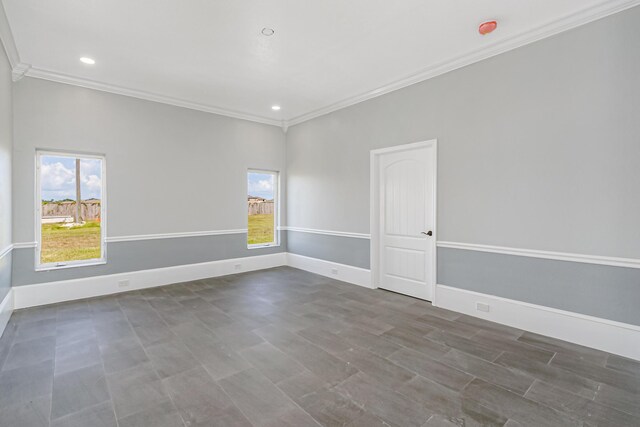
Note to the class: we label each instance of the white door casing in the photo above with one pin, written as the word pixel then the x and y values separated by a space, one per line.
pixel 403 250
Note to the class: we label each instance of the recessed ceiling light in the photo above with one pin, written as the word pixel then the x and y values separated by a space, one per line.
pixel 87 60
pixel 268 32
pixel 275 107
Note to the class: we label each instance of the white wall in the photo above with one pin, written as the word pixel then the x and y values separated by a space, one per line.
pixel 6 135
pixel 191 166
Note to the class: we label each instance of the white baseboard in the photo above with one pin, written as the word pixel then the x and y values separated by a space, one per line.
pixel 614 337
pixel 69 290
pixel 602 334
pixel 346 273
pixel 6 308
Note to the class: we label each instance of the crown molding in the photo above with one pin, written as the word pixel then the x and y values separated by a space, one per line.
pixel 6 37
pixel 547 30
pixel 19 71
pixel 40 73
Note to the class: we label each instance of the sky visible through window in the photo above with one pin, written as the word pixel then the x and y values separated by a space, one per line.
pixel 262 185
pixel 58 178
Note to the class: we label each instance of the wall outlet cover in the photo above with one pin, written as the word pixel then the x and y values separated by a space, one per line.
pixel 481 306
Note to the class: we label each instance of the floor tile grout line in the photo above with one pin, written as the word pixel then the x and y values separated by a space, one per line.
pixel 274 384
pixel 217 382
pixel 150 361
pixel 53 376
pixel 586 398
pixel 564 412
pixel 193 355
pixel 529 388
pixel 104 369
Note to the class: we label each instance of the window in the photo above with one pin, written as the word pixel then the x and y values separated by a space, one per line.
pixel 262 204
pixel 70 227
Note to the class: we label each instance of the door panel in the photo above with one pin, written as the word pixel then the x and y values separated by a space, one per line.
pixel 406 190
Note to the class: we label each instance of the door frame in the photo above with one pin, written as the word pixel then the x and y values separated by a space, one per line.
pixel 375 208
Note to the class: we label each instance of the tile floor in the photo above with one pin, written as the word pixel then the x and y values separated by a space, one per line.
pixel 284 347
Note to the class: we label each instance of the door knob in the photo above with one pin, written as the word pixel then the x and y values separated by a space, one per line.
pixel 428 233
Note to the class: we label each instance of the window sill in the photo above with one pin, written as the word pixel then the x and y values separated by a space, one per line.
pixel 51 267
pixel 263 246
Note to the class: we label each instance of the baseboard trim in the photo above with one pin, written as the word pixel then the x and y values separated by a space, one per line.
pixel 346 273
pixel 69 290
pixel 602 334
pixel 607 335
pixel 6 308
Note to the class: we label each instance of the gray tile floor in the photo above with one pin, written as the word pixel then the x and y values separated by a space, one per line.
pixel 284 347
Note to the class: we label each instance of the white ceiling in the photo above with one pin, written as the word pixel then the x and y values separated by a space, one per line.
pixel 210 55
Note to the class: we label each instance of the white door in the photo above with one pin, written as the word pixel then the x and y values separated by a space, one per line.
pixel 406 197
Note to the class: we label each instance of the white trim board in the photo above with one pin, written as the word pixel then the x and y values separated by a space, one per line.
pixel 602 334
pixel 87 287
pixel 549 29
pixel 327 232
pixel 6 309
pixel 7 40
pixel 533 253
pixel 346 273
pixel 115 239
pixel 40 73
pixel 174 235
pixel 607 335
pixel 25 245
pixel 6 251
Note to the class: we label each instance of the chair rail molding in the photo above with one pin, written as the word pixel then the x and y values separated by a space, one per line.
pixel 534 253
pixel 327 232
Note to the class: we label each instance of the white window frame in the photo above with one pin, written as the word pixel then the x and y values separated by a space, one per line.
pixel 38 212
pixel 276 206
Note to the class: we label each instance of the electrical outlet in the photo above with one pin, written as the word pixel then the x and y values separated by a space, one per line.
pixel 481 306
pixel 238 267
pixel 334 271
pixel 123 283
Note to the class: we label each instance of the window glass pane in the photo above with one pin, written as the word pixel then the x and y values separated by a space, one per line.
pixel 71 191
pixel 262 204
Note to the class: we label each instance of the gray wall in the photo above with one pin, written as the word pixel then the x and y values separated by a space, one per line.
pixel 538 149
pixel 195 163
pixel 6 136
pixel 143 255
pixel 597 290
pixel 341 249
